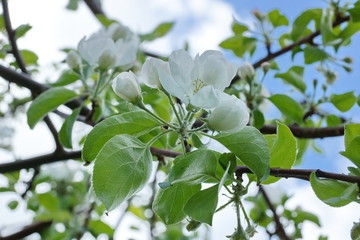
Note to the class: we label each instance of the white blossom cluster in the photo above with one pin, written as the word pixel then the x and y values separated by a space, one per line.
pixel 199 83
pixel 115 46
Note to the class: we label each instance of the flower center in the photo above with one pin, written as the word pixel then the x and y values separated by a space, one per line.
pixel 198 84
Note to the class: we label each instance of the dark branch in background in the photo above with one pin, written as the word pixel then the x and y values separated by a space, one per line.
pixel 307 39
pixel 28 230
pixel 280 231
pixel 302 132
pixel 303 174
pixel 94 7
pixel 12 37
pixel 26 81
pixel 54 133
pixel 61 156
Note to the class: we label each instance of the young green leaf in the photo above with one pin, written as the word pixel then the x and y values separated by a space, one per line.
pixel 326 26
pixel 333 121
pixel 133 123
pixel 194 167
pixel 46 102
pixel 202 205
pixel 98 227
pixel 238 28
pixel 282 150
pixel 314 54
pixel 332 192
pixel 65 132
pixel 158 32
pixel 169 203
pixel 351 131
pixel 122 168
pixel 67 77
pixel 277 19
pixel 30 58
pixel 344 102
pixel 288 106
pixel 250 146
pixel 300 24
pixel 22 30
pixel 294 77
pixel 352 151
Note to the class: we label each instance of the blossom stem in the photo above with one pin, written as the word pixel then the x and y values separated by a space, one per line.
pixel 173 107
pixel 198 129
pixel 102 75
pixel 157 137
pixel 143 107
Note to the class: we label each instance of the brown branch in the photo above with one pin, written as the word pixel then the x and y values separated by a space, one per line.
pixel 36 88
pixel 12 37
pixel 303 132
pixel 54 133
pixel 94 7
pixel 303 174
pixel 28 230
pixel 61 156
pixel 280 231
pixel 37 161
pixel 307 39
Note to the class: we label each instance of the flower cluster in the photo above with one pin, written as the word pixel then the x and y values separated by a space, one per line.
pixel 199 84
pixel 115 46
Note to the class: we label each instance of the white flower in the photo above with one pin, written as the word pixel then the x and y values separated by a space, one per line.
pixel 229 115
pixel 73 60
pixel 151 71
pixel 247 71
pixel 198 82
pixel 115 46
pixel 126 86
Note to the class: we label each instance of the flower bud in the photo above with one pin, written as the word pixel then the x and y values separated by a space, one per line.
pixel 265 66
pixel 151 71
pixel 348 60
pixel 107 60
pixel 126 86
pixel 73 60
pixel 247 72
pixel 251 230
pixel 330 76
pixel 230 115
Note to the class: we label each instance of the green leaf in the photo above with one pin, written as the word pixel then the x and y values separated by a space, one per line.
pixel 282 150
pixel 169 203
pixel 202 205
pixel 47 102
pixel 66 78
pixel 98 227
pixel 288 106
pixel 238 28
pixel 294 77
pixel 259 119
pixel 65 133
pixel 355 14
pixel 13 204
pixel 21 30
pixel 239 44
pixel 122 168
pixel 277 19
pixel 333 121
pixel 249 145
pixel 227 158
pixel 72 5
pixel 158 32
pixel 353 151
pixel 326 26
pixel 314 54
pixel 351 132
pixel 355 231
pixel 344 102
pixel 302 216
pixel 300 24
pixel 104 20
pixel 30 58
pixel 194 167
pixel 133 123
pixel 332 192
pixel 49 201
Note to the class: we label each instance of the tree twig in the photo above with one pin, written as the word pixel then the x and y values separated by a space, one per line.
pixel 28 230
pixel 304 132
pixel 12 37
pixel 54 133
pixel 303 174
pixel 94 7
pixel 280 231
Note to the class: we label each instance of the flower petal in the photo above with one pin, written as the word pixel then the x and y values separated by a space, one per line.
pixel 181 65
pixel 207 97
pixel 91 49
